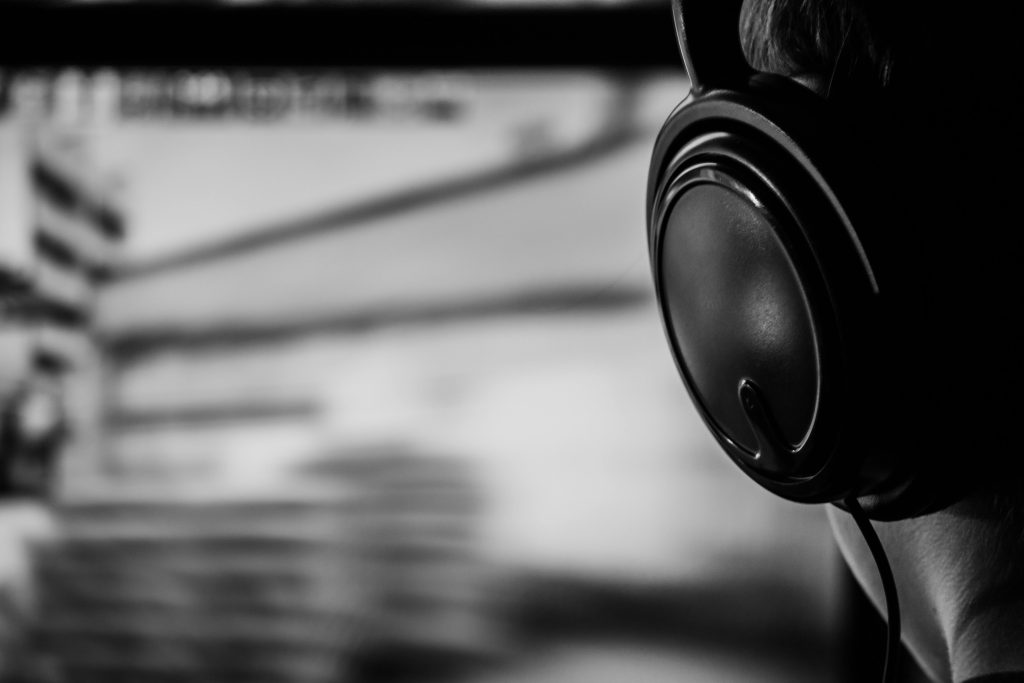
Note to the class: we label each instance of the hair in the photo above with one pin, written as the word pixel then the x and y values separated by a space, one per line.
pixel 843 41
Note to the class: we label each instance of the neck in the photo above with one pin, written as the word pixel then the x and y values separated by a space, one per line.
pixel 960 584
pixel 979 593
pixel 989 636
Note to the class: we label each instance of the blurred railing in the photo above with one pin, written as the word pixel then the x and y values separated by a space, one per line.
pixel 292 588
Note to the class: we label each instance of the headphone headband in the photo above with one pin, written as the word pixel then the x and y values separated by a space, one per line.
pixel 712 54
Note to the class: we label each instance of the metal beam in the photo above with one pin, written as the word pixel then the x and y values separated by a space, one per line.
pixel 132 346
pixel 320 35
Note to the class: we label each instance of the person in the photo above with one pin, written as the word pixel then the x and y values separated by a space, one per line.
pixel 949 85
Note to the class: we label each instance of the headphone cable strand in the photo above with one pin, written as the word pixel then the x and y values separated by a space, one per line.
pixel 892 606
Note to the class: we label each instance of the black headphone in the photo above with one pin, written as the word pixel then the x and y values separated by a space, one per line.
pixel 789 299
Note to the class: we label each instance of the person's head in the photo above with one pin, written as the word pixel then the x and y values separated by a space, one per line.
pixel 960 571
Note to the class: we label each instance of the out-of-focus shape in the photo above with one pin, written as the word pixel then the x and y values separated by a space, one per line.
pixel 60 222
pixel 370 550
pixel 65 227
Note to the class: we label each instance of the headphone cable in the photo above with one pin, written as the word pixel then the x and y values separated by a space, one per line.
pixel 892 605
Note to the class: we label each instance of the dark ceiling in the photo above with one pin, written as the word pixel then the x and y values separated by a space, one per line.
pixel 635 35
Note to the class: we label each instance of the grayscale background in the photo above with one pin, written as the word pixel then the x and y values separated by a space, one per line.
pixel 356 376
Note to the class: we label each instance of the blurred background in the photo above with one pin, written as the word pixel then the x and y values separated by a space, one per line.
pixel 348 369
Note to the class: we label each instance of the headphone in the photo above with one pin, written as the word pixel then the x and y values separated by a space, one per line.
pixel 787 285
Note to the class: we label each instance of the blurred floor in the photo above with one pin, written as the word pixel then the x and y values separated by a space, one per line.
pixel 636 663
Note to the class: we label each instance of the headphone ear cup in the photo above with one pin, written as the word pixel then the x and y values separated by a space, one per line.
pixel 781 301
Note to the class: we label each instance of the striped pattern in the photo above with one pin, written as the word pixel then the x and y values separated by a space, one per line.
pixel 71 233
pixel 76 233
pixel 366 554
pixel 219 592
